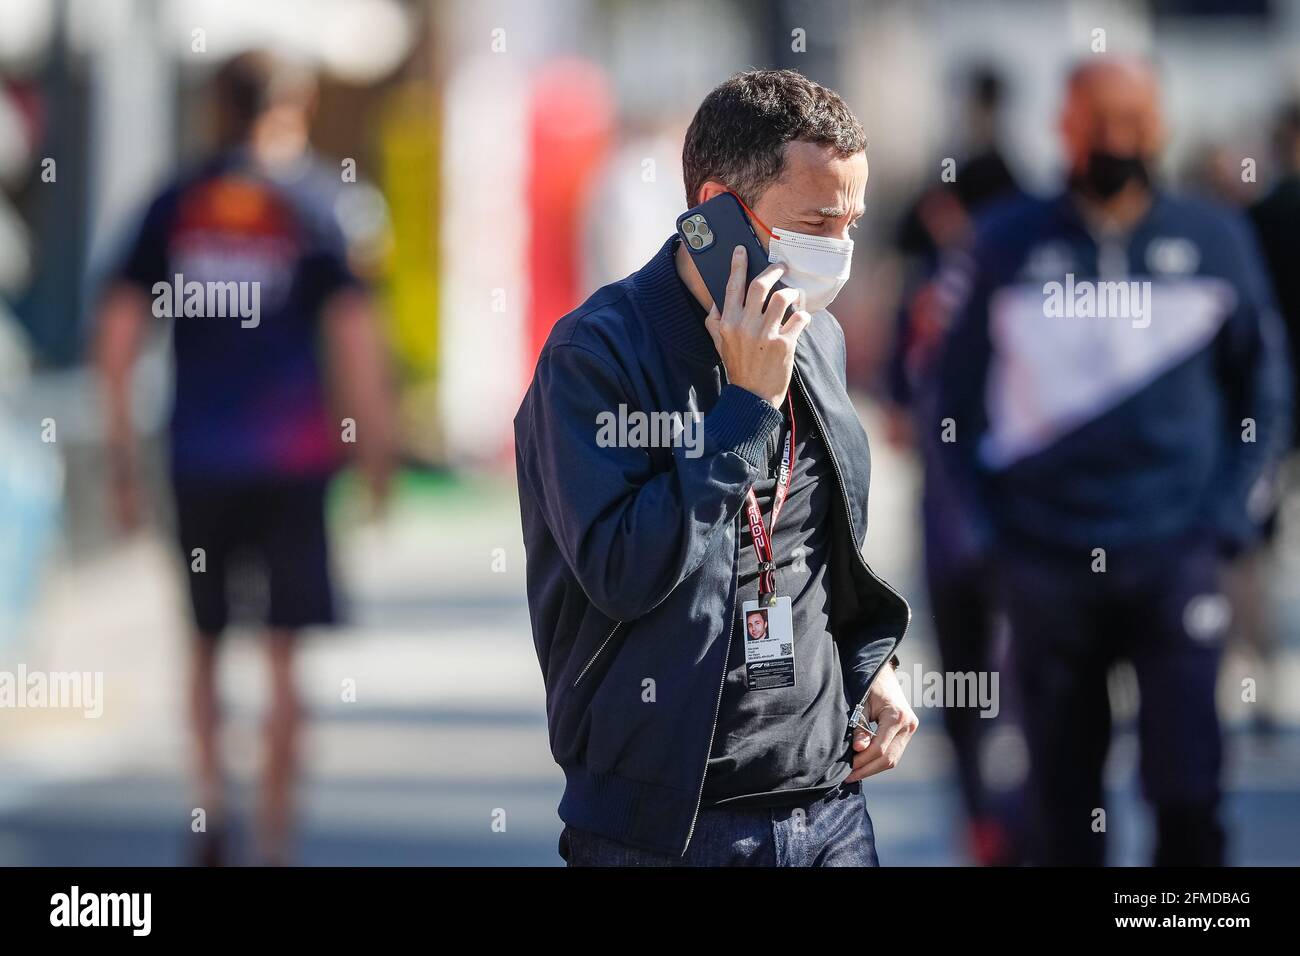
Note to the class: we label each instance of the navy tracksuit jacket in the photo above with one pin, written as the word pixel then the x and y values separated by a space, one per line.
pixel 1112 410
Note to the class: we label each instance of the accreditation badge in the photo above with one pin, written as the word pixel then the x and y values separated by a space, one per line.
pixel 769 644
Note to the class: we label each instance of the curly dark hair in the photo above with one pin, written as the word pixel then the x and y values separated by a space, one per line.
pixel 739 133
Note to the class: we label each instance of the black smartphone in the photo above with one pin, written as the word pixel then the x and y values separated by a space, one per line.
pixel 711 231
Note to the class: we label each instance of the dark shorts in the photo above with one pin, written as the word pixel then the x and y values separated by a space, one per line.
pixel 831 830
pixel 264 552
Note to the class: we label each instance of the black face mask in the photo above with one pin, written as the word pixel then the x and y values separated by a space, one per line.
pixel 1106 174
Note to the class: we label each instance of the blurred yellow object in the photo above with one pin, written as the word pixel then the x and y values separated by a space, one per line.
pixel 411 174
pixel 410 179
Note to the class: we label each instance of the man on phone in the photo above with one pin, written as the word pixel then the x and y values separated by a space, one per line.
pixel 678 747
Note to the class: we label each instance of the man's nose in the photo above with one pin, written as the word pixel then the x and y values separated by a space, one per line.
pixel 1120 138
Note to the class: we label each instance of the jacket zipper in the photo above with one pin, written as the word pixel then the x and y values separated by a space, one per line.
pixel 848 519
pixel 586 667
pixel 848 516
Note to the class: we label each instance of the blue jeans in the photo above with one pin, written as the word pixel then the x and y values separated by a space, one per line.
pixel 831 830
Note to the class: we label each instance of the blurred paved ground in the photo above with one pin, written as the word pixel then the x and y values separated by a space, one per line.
pixel 447 731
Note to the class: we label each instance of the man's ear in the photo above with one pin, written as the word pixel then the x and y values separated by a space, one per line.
pixel 709 190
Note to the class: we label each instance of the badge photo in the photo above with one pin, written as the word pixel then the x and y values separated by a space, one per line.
pixel 769 644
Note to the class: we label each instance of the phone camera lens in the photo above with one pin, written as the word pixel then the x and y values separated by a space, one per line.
pixel 688 226
pixel 695 242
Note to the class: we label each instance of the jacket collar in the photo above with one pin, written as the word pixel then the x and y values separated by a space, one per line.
pixel 661 298
pixel 1072 213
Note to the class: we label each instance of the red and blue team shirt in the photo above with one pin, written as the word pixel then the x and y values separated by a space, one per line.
pixel 249 399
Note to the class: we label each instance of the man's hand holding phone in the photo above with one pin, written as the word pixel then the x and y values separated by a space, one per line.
pixel 757 343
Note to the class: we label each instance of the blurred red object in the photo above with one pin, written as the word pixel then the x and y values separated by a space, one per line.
pixel 571 123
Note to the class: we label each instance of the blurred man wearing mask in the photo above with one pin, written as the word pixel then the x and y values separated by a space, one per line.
pixel 677 747
pixel 246 257
pixel 1115 389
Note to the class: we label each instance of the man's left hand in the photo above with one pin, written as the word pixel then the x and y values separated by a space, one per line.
pixel 895 724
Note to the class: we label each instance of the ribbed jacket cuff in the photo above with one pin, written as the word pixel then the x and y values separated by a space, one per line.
pixel 741 422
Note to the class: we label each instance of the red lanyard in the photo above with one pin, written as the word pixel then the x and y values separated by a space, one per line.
pixel 762 536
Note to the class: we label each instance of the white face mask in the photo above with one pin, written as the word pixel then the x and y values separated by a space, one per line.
pixel 814 264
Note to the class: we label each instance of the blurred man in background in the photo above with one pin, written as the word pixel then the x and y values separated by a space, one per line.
pixel 939 221
pixel 245 254
pixel 1115 398
pixel 941 216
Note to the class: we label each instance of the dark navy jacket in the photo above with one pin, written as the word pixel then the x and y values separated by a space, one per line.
pixel 1094 426
pixel 632 551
